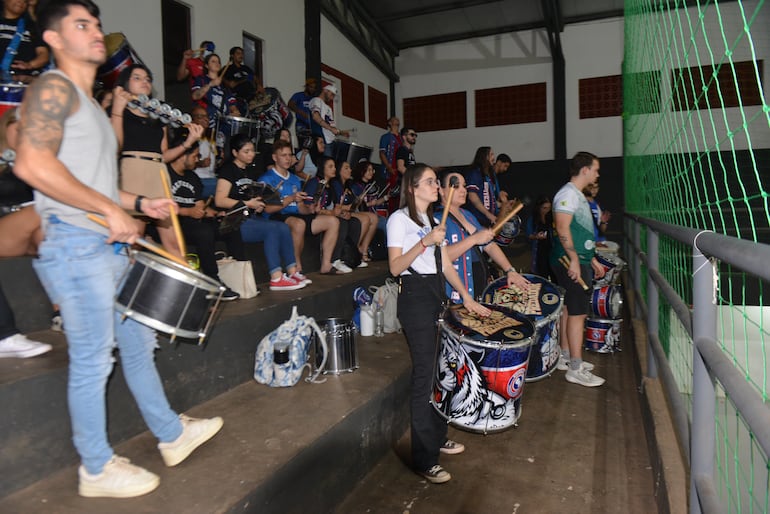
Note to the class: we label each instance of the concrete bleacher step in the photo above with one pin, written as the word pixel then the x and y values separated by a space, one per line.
pixel 297 449
pixel 35 426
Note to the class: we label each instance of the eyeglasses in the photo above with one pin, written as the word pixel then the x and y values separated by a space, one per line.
pixel 430 181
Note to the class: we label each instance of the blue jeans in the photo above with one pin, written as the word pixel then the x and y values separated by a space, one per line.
pixel 81 274
pixel 276 238
pixel 209 187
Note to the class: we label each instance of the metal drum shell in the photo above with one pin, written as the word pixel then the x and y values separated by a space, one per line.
pixel 341 344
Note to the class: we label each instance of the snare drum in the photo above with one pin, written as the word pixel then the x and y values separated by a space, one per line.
pixel 542 303
pixel 613 267
pixel 228 126
pixel 481 368
pixel 341 344
pixel 603 335
pixel 168 297
pixel 11 95
pixel 607 302
pixel 509 231
pixel 121 56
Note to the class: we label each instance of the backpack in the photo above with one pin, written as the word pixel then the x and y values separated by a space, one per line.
pixel 387 296
pixel 283 353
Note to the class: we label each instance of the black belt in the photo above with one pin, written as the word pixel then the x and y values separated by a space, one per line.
pixel 143 157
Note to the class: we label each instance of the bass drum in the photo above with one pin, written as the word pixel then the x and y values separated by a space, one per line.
pixel 542 303
pixel 481 368
pixel 509 231
pixel 603 335
pixel 120 56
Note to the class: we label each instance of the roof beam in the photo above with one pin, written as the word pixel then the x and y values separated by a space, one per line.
pixel 433 9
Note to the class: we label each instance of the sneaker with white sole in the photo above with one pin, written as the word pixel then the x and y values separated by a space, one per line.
pixel 21 347
pixel 118 479
pixel 563 365
pixel 452 447
pixel 436 475
pixel 363 264
pixel 341 266
pixel 195 432
pixel 300 277
pixel 285 283
pixel 583 377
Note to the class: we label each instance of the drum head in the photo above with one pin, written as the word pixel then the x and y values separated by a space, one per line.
pixel 503 326
pixel 540 300
pixel 113 42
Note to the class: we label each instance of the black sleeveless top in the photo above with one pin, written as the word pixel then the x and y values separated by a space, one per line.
pixel 141 134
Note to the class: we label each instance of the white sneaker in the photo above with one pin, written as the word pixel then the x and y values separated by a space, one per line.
pixel 363 264
pixel 563 365
pixel 583 377
pixel 341 266
pixel 118 479
pixel 195 432
pixel 19 346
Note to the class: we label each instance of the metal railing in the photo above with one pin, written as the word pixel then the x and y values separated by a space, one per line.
pixel 709 362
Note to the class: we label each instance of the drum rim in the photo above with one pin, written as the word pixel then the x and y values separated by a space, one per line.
pixel 536 318
pixel 160 326
pixel 174 270
pixel 238 118
pixel 488 344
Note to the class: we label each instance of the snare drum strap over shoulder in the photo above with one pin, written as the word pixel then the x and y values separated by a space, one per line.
pixel 476 249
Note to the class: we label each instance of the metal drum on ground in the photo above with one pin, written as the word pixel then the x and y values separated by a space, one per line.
pixel 607 302
pixel 603 335
pixel 341 343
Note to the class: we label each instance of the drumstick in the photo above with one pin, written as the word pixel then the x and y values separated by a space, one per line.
pixel 499 225
pixel 448 203
pixel 174 217
pixel 145 244
pixel 566 262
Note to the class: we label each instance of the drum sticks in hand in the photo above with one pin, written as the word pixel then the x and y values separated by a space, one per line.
pixel 565 261
pixel 453 184
pixel 516 208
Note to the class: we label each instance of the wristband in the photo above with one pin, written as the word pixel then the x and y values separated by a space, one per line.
pixel 138 203
pixel 510 270
pixel 424 246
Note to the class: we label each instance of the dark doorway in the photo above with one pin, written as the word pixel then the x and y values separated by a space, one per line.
pixel 175 18
pixel 252 54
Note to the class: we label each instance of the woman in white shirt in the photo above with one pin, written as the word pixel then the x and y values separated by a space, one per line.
pixel 413 241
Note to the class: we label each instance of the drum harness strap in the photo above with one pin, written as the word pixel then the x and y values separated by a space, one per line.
pixel 439 289
pixel 12 50
pixel 476 249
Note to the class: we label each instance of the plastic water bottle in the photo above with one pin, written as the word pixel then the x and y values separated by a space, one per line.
pixel 379 321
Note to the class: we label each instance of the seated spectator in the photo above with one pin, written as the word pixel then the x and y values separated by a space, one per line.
pixel 237 188
pixel 208 91
pixel 30 54
pixel 239 78
pixel 198 221
pixel 12 342
pixel 207 162
pixel 482 193
pixel 312 153
pixel 299 103
pixel 343 190
pixel 368 196
pixel 301 217
pixel 191 66
pixel 540 234
pixel 322 195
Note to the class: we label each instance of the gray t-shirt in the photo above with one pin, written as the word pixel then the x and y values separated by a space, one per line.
pixel 89 151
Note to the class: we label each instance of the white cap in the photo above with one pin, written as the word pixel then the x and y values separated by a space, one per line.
pixel 330 88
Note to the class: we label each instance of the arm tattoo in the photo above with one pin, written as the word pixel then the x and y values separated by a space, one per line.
pixel 564 240
pixel 48 103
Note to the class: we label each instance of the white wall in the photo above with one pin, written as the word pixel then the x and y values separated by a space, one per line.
pixel 279 24
pixel 590 49
pixel 342 55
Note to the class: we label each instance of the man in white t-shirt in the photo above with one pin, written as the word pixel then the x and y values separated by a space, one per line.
pixel 208 154
pixel 323 118
pixel 575 230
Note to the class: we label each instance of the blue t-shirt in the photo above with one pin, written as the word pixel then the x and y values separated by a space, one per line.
pixel 286 186
pixel 389 143
pixel 302 101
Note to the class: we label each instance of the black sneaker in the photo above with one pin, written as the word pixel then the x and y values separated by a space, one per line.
pixel 436 475
pixel 229 295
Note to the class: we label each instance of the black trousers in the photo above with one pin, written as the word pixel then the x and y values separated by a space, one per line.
pixel 203 234
pixel 7 321
pixel 418 311
pixel 350 233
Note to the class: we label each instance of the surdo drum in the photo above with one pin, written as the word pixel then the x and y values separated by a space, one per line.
pixel 121 56
pixel 607 302
pixel 603 335
pixel 168 297
pixel 542 303
pixel 509 231
pixel 613 267
pixel 481 368
pixel 11 95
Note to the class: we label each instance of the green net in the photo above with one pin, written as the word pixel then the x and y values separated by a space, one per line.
pixel 697 154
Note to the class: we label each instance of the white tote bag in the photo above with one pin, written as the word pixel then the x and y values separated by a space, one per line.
pixel 238 276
